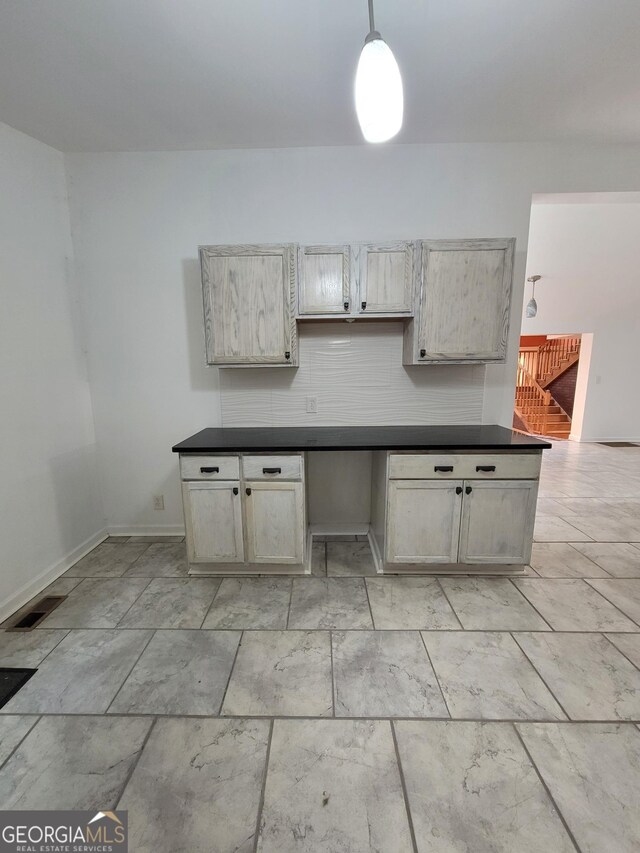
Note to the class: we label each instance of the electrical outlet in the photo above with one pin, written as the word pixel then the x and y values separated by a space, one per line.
pixel 158 501
pixel 312 404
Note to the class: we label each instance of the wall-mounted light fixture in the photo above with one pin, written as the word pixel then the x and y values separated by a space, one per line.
pixel 379 97
pixel 532 305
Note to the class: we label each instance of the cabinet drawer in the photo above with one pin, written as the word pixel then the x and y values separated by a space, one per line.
pixel 272 467
pixel 472 466
pixel 209 468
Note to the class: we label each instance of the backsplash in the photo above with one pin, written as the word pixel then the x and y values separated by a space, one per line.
pixel 355 372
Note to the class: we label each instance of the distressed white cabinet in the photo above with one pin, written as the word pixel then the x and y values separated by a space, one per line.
pixel 324 280
pixel 274 516
pixel 497 521
pixel 424 521
pixel 463 302
pixel 213 521
pixel 386 278
pixel 249 295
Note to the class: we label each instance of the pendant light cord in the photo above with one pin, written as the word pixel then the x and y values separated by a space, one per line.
pixel 371 23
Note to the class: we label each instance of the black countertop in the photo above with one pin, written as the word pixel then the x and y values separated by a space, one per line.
pixel 268 439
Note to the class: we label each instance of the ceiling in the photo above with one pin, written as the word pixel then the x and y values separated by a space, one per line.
pixel 112 75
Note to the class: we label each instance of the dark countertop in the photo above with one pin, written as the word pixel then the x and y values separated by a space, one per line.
pixel 269 439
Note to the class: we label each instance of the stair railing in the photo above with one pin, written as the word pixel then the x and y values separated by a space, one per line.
pixel 529 395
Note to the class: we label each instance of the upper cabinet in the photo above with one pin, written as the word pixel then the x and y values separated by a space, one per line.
pixel 249 295
pixel 386 278
pixel 462 304
pixel 324 280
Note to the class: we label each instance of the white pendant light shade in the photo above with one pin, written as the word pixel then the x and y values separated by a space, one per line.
pixel 379 97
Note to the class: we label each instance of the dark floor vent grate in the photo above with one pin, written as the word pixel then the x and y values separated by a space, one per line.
pixel 619 444
pixel 11 680
pixel 29 619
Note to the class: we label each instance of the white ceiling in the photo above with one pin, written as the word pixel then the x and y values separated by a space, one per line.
pixel 110 75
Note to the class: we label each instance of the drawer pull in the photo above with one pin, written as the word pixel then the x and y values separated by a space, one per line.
pixel 423 352
pixel 215 470
pixel 468 490
pixel 458 490
pixel 364 306
pixel 272 470
pixel 487 468
pixel 346 306
pixel 235 490
pixel 287 355
pixel 248 491
pixel 443 468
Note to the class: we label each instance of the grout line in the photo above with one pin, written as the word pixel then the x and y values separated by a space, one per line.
pixel 333 680
pixel 446 704
pixel 263 789
pixel 235 658
pixel 67 631
pixel 22 739
pixel 136 762
pixel 613 604
pixel 215 595
pixel 142 591
pixel 535 669
pixel 405 793
pixel 532 605
pixel 428 630
pixel 624 654
pixel 546 788
pixel 453 610
pixel 366 592
pixel 286 624
pixel 135 663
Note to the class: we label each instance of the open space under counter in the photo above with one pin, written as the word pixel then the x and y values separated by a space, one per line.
pixel 430 499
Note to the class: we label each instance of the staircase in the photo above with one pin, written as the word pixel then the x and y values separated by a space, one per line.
pixel 538 367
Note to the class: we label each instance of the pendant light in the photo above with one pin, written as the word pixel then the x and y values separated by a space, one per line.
pixel 532 305
pixel 379 98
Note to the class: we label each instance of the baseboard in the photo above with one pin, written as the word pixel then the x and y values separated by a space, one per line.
pixel 584 440
pixel 146 530
pixel 52 573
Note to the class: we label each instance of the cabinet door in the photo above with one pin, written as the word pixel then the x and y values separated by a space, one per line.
pixel 497 521
pixel 274 514
pixel 423 521
pixel 324 274
pixel 465 295
pixel 249 304
pixel 386 275
pixel 213 520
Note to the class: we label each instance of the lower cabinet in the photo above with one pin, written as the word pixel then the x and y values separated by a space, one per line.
pixel 460 521
pixel 274 515
pixel 213 521
pixel 497 521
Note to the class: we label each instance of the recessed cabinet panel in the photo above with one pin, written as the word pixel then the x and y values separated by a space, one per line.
pixel 274 514
pixel 213 519
pixel 324 280
pixel 423 521
pixel 497 521
pixel 464 301
pixel 386 278
pixel 249 299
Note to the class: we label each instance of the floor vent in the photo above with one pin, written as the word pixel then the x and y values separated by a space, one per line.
pixel 28 620
pixel 11 680
pixel 619 444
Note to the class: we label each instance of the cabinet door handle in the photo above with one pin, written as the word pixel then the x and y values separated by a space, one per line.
pixel 287 355
pixel 346 306
pixel 458 490
pixel 423 352
pixel 248 491
pixel 235 490
pixel 468 490
pixel 215 470
pixel 443 467
pixel 364 306
pixel 485 467
pixel 272 470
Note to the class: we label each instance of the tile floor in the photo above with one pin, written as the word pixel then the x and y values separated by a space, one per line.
pixel 349 712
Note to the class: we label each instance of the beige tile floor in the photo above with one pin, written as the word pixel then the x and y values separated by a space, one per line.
pixel 349 712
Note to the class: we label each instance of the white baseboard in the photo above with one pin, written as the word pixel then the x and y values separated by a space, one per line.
pixel 146 530
pixel 50 574
pixel 584 440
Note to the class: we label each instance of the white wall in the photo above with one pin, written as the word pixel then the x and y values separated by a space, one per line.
pixel 49 503
pixel 138 219
pixel 588 254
